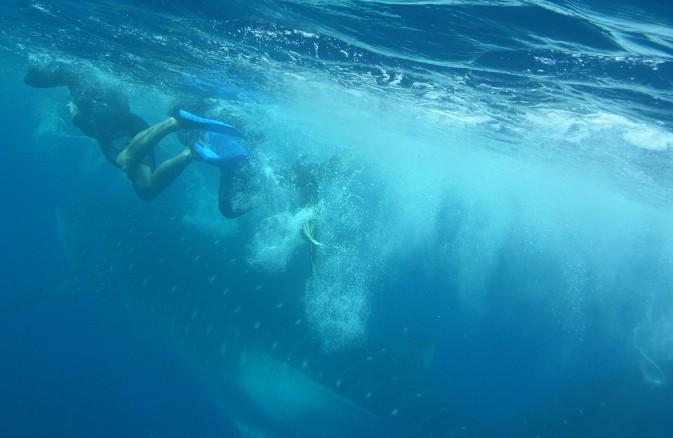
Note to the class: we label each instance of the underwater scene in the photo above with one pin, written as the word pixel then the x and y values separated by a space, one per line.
pixel 336 218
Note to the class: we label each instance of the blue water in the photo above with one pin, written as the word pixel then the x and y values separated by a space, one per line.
pixel 496 234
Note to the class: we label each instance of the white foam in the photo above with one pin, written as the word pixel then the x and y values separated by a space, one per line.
pixel 277 238
pixel 338 308
pixel 600 126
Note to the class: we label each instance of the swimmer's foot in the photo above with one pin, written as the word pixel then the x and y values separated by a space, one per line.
pixel 189 153
pixel 199 153
pixel 188 120
pixel 219 149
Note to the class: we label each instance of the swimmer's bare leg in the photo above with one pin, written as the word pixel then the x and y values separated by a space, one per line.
pixel 169 170
pixel 149 184
pixel 145 141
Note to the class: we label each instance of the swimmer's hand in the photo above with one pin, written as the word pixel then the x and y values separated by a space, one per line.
pixel 72 108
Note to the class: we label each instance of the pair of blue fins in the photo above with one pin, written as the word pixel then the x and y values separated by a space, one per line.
pixel 219 144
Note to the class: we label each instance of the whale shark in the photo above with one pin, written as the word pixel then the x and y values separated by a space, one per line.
pixel 245 336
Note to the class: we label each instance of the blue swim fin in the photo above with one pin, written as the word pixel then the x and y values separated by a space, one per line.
pixel 192 121
pixel 220 149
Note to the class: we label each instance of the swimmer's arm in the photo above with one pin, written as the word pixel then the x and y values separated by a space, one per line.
pixel 50 75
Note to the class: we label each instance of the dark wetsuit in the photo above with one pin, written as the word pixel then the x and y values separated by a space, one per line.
pixel 103 113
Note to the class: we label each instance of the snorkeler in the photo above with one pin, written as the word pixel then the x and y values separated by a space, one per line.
pixel 125 139
pixel 128 142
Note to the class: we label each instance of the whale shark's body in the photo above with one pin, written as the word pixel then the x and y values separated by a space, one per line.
pixel 245 336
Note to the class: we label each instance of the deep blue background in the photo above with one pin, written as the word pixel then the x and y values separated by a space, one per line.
pixel 76 367
pixel 72 362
